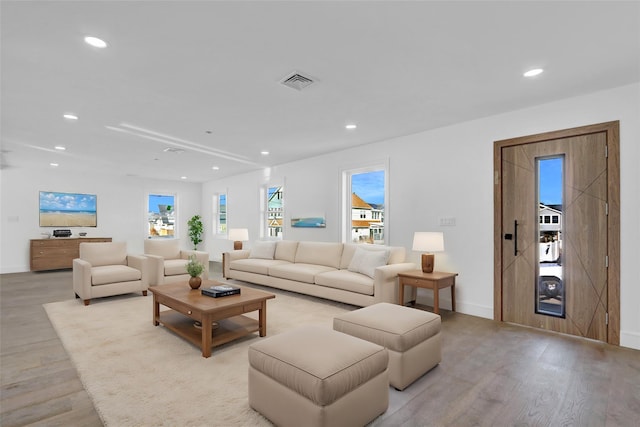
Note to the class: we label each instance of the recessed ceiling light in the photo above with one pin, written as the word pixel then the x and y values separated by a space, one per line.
pixel 264 153
pixel 53 164
pixel 60 147
pixel 183 177
pixel 70 116
pixel 350 126
pixel 95 42
pixel 533 72
pixel 215 168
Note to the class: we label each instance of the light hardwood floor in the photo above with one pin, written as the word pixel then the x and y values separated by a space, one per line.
pixel 492 374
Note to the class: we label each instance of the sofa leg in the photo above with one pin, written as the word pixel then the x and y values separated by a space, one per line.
pixel 144 293
pixel 87 302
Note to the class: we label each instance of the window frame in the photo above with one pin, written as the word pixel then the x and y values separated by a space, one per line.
pixel 176 205
pixel 264 211
pixel 346 190
pixel 217 214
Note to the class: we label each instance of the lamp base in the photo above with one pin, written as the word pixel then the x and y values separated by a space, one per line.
pixel 237 245
pixel 428 260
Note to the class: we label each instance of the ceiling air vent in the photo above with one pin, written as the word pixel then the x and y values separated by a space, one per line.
pixel 174 150
pixel 297 81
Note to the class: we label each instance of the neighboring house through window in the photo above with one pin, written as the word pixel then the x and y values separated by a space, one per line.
pixel 220 214
pixel 365 193
pixel 161 215
pixel 274 212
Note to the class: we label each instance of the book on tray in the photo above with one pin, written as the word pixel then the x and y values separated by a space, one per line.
pixel 220 291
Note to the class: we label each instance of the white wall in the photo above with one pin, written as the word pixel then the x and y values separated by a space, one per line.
pixel 121 209
pixel 448 172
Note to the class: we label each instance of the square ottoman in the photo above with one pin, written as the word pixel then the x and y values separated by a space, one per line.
pixel 315 376
pixel 412 337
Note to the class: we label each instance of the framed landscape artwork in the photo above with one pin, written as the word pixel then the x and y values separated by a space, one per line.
pixel 68 209
pixel 309 222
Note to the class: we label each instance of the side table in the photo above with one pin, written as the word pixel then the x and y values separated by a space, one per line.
pixel 435 281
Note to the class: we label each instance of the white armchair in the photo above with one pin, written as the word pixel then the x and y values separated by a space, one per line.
pixel 168 264
pixel 105 269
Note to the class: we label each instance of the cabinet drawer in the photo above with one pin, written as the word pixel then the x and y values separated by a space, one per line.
pixel 39 264
pixel 64 252
pixel 53 243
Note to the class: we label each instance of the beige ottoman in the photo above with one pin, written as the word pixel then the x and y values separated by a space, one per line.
pixel 412 337
pixel 314 376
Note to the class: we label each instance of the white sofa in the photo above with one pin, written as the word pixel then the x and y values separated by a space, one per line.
pixel 357 274
pixel 104 269
pixel 168 263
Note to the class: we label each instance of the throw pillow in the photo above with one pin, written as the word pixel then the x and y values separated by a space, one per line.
pixel 365 261
pixel 263 250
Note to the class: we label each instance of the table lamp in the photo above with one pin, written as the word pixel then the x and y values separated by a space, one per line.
pixel 426 241
pixel 238 235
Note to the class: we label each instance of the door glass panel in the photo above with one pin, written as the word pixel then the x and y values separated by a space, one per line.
pixel 550 285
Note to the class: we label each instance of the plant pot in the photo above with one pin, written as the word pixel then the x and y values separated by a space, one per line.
pixel 195 282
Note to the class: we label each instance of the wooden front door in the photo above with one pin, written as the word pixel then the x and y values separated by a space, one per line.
pixel 557 264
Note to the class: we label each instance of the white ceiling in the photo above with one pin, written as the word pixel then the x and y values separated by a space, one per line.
pixel 177 69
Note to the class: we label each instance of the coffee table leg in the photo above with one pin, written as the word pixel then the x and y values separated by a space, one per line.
pixel 206 336
pixel 262 319
pixel 156 311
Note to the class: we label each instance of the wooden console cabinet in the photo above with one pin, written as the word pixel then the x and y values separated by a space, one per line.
pixel 58 253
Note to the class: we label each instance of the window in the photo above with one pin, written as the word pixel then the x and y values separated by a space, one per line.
pixel 364 194
pixel 220 214
pixel 161 215
pixel 275 212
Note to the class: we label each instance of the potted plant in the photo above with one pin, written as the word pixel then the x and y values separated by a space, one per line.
pixel 195 230
pixel 195 269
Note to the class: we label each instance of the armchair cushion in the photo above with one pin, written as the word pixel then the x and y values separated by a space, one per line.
pixel 174 267
pixel 167 249
pixel 113 274
pixel 104 253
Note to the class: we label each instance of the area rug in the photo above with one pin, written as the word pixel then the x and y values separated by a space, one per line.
pixel 138 374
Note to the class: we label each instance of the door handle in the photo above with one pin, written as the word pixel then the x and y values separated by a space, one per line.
pixel 515 237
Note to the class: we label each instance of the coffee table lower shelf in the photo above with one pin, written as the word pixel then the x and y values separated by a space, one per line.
pixel 228 329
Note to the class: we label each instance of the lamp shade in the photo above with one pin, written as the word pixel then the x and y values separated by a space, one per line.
pixel 238 234
pixel 427 241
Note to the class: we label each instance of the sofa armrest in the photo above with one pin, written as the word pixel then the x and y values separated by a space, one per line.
pixel 202 257
pixel 385 281
pixel 155 268
pixel 82 278
pixel 140 262
pixel 227 257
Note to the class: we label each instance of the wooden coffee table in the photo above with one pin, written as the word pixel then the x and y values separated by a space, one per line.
pixel 189 305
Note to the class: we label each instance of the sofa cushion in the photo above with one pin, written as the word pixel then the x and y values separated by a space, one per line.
pixel 107 274
pixel 365 261
pixel 166 248
pixel 321 253
pixel 396 253
pixel 174 267
pixel 258 266
pixel 286 250
pixel 104 253
pixel 346 280
pixel 299 272
pixel 263 250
